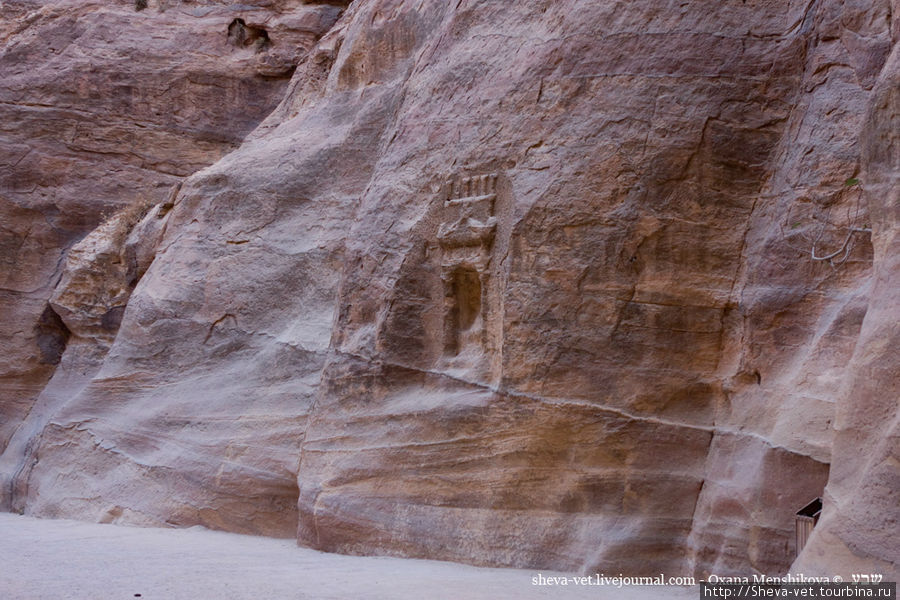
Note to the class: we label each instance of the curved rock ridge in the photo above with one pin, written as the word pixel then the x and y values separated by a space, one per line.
pixel 103 107
pixel 595 286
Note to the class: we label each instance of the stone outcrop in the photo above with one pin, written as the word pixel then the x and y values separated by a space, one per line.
pixel 584 285
pixel 103 106
pixel 856 532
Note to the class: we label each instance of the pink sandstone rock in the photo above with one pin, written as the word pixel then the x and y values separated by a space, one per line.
pixel 101 107
pixel 531 284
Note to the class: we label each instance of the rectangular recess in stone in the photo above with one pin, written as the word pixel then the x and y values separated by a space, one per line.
pixel 805 520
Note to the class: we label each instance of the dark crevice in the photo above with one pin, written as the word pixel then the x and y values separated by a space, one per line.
pixel 164 209
pixel 52 336
pixel 112 319
pixel 241 35
pixel 463 291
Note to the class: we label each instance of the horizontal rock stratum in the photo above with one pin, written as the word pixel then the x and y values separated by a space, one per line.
pixel 576 285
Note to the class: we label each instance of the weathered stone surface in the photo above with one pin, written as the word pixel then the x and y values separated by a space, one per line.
pixel 103 106
pixel 858 529
pixel 529 284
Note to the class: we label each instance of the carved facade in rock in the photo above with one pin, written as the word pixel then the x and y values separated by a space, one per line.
pixel 466 239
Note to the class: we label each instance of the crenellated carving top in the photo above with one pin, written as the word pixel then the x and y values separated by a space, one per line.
pixel 462 190
pixel 470 219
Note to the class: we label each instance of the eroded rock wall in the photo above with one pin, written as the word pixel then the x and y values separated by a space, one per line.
pixel 529 285
pixel 102 107
pixel 860 517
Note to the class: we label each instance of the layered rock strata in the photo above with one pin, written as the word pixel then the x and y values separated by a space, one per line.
pixel 592 286
pixel 104 106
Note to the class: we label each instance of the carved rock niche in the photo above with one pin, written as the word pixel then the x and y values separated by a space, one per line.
pixel 466 240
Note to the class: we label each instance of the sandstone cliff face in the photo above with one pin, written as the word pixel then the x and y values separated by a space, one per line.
pixel 528 285
pixel 102 107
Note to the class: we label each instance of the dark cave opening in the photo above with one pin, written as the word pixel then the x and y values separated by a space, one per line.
pixel 51 335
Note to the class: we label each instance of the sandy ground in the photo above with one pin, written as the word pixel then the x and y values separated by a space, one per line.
pixel 57 560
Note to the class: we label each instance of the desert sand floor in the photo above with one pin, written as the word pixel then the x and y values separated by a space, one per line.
pixel 60 560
